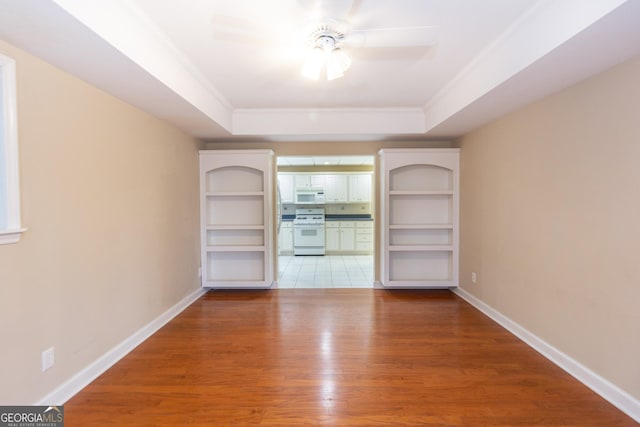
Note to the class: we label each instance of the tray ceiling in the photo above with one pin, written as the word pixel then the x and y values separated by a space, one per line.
pixel 230 70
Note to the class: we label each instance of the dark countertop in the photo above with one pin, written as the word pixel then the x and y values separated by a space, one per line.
pixel 359 217
pixel 335 218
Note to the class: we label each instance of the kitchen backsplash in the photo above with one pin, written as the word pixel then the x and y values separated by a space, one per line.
pixel 332 208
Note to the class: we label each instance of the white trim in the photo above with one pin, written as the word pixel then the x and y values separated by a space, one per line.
pixel 327 121
pixel 83 378
pixel 12 233
pixel 11 236
pixel 609 391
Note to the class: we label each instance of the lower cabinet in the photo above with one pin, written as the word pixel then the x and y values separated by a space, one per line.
pixel 349 237
pixel 332 236
pixel 285 239
pixel 364 236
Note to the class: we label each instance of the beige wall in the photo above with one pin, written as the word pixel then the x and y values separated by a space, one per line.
pixel 110 197
pixel 550 210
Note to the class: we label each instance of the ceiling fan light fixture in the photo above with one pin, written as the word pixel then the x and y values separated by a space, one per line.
pixel 333 73
pixel 342 59
pixel 314 64
pixel 335 68
pixel 326 53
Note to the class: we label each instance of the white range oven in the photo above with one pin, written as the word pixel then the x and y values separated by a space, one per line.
pixel 308 232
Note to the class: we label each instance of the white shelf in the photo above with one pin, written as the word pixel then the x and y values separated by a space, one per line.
pixel 235 248
pixel 235 194
pixel 420 193
pixel 420 248
pixel 235 227
pixel 420 226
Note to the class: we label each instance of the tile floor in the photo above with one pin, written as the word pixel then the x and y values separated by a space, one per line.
pixel 329 271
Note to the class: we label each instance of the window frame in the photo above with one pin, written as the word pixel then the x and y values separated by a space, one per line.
pixel 13 230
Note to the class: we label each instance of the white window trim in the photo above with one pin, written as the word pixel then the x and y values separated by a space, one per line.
pixel 14 230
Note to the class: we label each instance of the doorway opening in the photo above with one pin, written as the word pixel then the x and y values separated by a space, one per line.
pixel 326 233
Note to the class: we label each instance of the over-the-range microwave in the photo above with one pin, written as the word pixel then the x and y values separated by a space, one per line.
pixel 309 196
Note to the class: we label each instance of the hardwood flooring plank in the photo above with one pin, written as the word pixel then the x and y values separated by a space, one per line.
pixel 361 357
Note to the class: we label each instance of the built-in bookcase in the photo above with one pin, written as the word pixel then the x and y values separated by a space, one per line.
pixel 419 218
pixel 237 227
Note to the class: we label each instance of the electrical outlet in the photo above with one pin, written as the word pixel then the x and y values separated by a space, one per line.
pixel 474 277
pixel 200 272
pixel 48 359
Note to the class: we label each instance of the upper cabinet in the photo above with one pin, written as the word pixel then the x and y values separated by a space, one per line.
pixel 308 181
pixel 339 187
pixel 360 188
pixel 419 217
pixel 236 218
pixel 335 188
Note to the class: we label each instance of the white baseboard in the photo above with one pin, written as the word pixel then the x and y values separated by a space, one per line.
pixel 609 391
pixel 83 378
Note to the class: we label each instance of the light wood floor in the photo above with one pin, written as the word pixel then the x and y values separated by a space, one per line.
pixel 336 357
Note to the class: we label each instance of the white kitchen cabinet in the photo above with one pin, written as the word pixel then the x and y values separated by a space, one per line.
pixel 338 187
pixel 349 237
pixel 287 188
pixel 335 188
pixel 360 188
pixel 236 212
pixel 419 218
pixel 301 181
pixel 308 181
pixel 285 241
pixel 364 237
pixel 332 236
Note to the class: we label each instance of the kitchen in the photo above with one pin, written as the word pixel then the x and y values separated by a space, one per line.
pixel 326 234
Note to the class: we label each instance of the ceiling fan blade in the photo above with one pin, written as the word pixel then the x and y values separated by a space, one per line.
pixel 235 24
pixel 240 37
pixel 243 30
pixel 392 37
pixel 318 10
pixel 353 10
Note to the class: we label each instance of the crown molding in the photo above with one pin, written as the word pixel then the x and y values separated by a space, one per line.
pixel 328 121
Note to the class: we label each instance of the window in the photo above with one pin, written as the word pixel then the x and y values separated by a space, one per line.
pixel 10 228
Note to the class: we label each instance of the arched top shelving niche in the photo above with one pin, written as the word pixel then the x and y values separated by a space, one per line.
pixel 234 179
pixel 420 177
pixel 236 216
pixel 419 218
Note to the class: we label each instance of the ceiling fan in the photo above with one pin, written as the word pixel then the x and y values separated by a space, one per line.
pixel 329 30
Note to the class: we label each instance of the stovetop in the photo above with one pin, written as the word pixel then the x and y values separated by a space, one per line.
pixel 309 216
